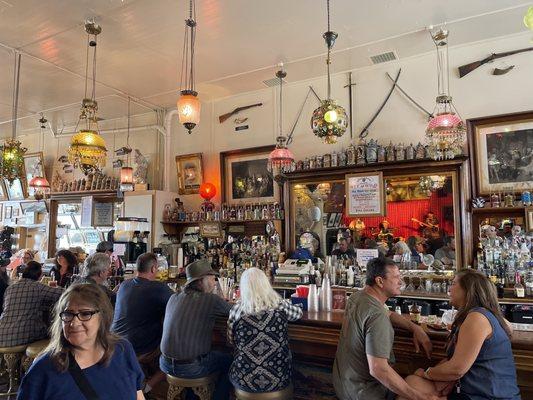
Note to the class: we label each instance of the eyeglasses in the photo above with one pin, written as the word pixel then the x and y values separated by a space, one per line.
pixel 68 316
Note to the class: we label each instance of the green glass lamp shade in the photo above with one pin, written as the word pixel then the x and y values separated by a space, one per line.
pixel 329 121
pixel 528 18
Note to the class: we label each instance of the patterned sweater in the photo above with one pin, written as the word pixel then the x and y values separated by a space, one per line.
pixel 262 358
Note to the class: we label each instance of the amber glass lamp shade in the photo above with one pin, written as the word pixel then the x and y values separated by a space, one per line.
pixel 189 109
pixel 87 151
pixel 126 179
pixel 208 191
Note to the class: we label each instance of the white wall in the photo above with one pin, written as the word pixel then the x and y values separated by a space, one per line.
pixel 478 94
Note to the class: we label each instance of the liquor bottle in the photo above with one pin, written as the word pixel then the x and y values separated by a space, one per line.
pixel 529 284
pixel 519 290
pixel 415 313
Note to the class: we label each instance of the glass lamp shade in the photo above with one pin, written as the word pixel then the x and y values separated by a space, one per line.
pixel 329 121
pixel 87 151
pixel 189 109
pixel 208 191
pixel 446 134
pixel 12 162
pixel 528 18
pixel 281 157
pixel 40 186
pixel 126 179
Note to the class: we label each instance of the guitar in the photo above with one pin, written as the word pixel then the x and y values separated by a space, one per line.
pixel 428 225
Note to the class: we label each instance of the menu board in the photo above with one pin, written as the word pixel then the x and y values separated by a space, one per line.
pixel 364 195
pixel 103 214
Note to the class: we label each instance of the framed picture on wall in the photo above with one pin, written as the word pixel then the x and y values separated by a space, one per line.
pixel 245 178
pixel 15 190
pixel 8 212
pixel 211 229
pixel 34 166
pixel 501 149
pixel 190 173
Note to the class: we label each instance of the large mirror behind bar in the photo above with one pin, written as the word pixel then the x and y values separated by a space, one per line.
pixel 418 230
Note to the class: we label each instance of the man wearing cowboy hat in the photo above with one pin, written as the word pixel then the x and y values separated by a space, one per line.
pixel 188 329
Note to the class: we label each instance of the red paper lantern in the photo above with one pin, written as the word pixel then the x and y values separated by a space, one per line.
pixel 208 191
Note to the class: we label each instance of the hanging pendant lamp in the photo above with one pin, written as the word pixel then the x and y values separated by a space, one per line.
pixel 126 173
pixel 329 121
pixel 12 152
pixel 87 149
pixel 39 184
pixel 446 132
pixel 188 103
pixel 281 158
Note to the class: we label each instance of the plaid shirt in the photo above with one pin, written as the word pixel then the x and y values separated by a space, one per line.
pixel 22 320
pixel 292 311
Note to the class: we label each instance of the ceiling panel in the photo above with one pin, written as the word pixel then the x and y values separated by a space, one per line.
pixel 238 44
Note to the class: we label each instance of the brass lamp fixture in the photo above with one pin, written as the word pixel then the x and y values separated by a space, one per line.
pixel 12 161
pixel 188 103
pixel 329 121
pixel 446 131
pixel 87 149
pixel 281 158
pixel 39 184
pixel 126 173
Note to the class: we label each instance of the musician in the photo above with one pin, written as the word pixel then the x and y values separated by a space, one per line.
pixel 431 232
pixel 385 234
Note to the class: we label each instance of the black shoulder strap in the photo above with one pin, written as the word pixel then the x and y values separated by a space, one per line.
pixel 80 379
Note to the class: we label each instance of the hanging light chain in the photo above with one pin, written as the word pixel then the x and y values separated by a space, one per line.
pixel 187 61
pixel 16 82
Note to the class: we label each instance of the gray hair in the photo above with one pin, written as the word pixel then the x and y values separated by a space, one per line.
pixel 256 292
pixel 96 263
pixel 401 248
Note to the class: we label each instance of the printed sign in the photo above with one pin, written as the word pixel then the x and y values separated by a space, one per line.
pixel 364 195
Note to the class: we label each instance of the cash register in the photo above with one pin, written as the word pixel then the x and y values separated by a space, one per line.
pixel 293 271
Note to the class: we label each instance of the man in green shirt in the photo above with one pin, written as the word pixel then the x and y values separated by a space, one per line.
pixel 361 370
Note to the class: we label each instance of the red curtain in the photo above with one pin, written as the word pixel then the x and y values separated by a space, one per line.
pixel 399 214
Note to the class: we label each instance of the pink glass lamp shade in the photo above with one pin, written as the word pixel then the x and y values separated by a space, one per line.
pixel 40 185
pixel 443 123
pixel 281 157
pixel 208 191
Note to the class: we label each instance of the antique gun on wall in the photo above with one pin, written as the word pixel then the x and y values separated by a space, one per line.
pixel 224 117
pixel 466 69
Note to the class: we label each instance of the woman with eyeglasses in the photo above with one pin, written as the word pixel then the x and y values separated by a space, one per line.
pixel 84 359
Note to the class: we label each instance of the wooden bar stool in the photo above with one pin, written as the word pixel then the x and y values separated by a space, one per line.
pixel 12 357
pixel 32 351
pixel 202 387
pixel 284 394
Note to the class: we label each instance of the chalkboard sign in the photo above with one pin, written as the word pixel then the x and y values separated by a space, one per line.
pixel 365 196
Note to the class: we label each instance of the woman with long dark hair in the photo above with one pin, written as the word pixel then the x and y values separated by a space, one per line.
pixel 66 265
pixel 480 364
pixel 83 353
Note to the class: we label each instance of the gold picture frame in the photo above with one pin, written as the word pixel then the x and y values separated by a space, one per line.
pixel 189 169
pixel 211 229
pixel 499 147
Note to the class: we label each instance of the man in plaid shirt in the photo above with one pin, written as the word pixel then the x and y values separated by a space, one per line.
pixel 25 303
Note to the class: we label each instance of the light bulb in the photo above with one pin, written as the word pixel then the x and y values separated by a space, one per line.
pixel 330 116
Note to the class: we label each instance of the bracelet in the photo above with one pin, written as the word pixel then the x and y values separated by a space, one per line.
pixel 426 373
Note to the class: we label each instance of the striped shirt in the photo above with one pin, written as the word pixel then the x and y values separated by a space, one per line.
pixel 22 320
pixel 189 322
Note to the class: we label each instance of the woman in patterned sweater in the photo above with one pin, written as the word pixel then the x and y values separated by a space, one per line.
pixel 257 326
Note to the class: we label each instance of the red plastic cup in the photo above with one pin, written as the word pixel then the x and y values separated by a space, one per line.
pixel 302 291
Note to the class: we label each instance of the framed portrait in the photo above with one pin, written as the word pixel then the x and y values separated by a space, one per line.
pixel 365 195
pixel 245 177
pixel 190 173
pixel 34 166
pixel 501 149
pixel 15 190
pixel 8 212
pixel 3 191
pixel 210 229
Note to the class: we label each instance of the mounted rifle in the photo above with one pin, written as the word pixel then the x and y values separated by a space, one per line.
pixel 224 117
pixel 466 69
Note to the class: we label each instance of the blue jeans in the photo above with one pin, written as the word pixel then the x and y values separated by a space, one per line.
pixel 214 361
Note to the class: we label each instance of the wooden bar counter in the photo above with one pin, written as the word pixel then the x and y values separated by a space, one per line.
pixel 314 339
